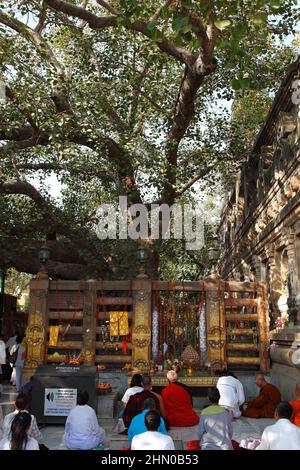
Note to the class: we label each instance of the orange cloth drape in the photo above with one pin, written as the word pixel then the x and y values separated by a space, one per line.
pixel 296 412
pixel 264 405
pixel 178 406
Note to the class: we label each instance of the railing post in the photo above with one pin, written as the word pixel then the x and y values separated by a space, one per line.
pixel 89 322
pixel 141 332
pixel 36 331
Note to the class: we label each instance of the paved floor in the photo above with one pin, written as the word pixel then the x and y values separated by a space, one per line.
pixel 53 434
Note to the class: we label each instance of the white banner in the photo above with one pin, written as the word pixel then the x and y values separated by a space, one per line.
pixel 59 401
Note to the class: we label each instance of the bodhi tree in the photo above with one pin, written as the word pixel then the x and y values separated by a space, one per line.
pixel 120 97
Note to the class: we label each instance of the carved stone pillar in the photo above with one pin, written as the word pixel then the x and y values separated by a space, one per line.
pixel 257 268
pixel 275 279
pixel 141 333
pixel 89 322
pixel 36 331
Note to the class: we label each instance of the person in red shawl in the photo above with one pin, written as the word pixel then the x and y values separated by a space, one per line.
pixel 265 404
pixel 178 403
pixel 136 402
pixel 296 407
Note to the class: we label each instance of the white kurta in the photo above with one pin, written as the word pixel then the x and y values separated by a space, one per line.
pixel 152 440
pixel 283 435
pixel 232 394
pixel 32 444
pixel 131 391
pixel 2 352
pixel 11 342
pixel 82 430
pixel 2 356
pixel 33 430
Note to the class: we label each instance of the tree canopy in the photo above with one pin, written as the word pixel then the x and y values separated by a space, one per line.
pixel 125 97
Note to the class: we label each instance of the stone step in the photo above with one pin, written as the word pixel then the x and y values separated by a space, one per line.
pixel 7 399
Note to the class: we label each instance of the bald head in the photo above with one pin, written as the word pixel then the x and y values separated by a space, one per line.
pixel 297 391
pixel 260 380
pixel 172 376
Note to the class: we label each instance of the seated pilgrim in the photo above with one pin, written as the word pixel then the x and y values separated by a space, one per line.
pixel 82 431
pixel 152 439
pixel 231 393
pixel 215 427
pixel 296 407
pixel 264 405
pixel 18 438
pixel 283 435
pixel 21 405
pixel 178 403
pixel 136 402
pixel 136 386
pixel 138 426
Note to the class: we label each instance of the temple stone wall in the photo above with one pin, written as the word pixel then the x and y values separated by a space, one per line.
pixel 264 246
pixel 285 378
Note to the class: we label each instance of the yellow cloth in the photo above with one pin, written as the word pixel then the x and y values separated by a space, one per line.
pixel 118 323
pixel 53 337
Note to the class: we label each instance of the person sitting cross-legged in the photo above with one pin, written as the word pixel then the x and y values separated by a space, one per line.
pixel 82 431
pixel 138 426
pixel 295 404
pixel 215 427
pixel 21 405
pixel 231 393
pixel 136 402
pixel 136 386
pixel 18 438
pixel 264 405
pixel 178 403
pixel 283 435
pixel 152 439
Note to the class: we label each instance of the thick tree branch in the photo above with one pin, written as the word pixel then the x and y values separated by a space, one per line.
pixel 164 6
pixel 34 37
pixel 107 7
pixel 192 181
pixel 101 22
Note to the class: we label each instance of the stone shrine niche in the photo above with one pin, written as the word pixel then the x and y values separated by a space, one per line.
pixel 287 125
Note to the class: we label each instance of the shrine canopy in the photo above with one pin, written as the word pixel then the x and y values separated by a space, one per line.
pixel 196 327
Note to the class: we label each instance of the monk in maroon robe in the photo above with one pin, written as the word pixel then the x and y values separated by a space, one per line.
pixel 264 405
pixel 135 404
pixel 178 403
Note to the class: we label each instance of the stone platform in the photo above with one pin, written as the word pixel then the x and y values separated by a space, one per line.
pixel 52 435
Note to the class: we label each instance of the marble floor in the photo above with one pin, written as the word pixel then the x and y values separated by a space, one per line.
pixel 53 434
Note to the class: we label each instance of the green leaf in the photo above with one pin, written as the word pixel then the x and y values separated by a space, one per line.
pixel 275 4
pixel 236 84
pixel 260 18
pixel 179 22
pixel 222 24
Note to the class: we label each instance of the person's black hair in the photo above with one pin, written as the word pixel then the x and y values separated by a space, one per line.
pixel 146 380
pixel 19 339
pixel 284 410
pixel 136 381
pixel 21 401
pixel 152 420
pixel 83 398
pixel 149 404
pixel 213 395
pixel 18 433
pixel 231 374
